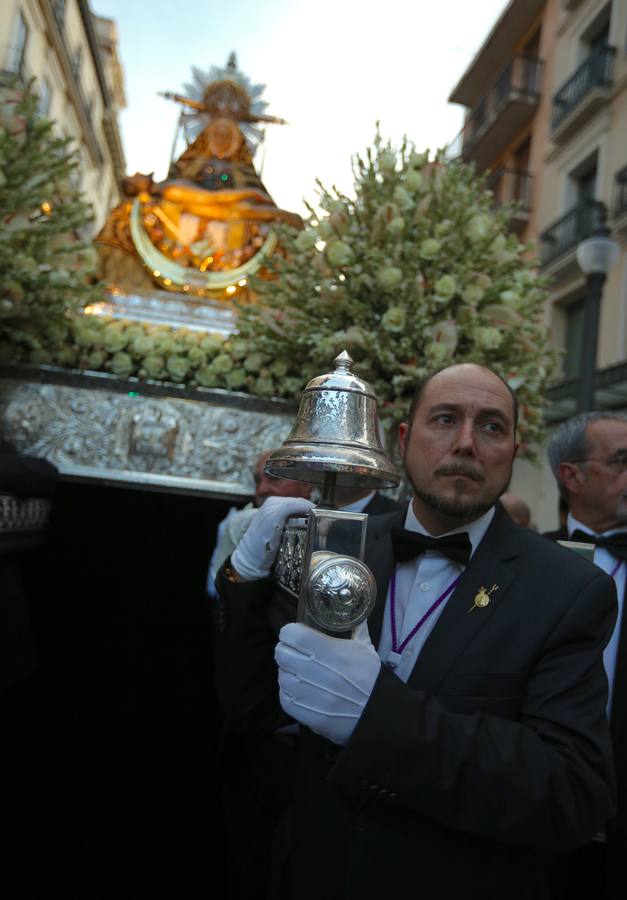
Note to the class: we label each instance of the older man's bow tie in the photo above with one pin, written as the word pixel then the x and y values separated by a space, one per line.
pixel 410 544
pixel 616 544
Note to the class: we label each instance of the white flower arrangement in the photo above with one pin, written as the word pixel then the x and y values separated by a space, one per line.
pixel 415 271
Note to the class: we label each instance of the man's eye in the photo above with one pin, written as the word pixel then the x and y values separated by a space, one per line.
pixel 620 461
pixel 494 427
pixel 444 418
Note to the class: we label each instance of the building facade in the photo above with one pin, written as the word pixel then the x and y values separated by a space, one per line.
pixel 72 55
pixel 507 105
pixel 549 129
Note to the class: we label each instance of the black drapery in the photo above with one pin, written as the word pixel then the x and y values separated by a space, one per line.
pixel 122 753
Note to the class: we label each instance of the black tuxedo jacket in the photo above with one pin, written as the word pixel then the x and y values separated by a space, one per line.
pixel 495 754
pixel 616 830
pixel 381 505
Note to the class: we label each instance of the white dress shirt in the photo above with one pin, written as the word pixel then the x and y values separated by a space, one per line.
pixel 419 582
pixel 230 531
pixel 604 560
pixel 358 505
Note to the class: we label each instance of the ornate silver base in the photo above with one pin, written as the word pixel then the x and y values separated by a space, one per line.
pixel 96 427
pixel 175 310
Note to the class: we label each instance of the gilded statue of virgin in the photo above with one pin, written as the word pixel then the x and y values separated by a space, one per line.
pixel 209 225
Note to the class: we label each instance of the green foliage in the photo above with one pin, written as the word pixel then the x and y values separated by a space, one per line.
pixel 46 272
pixel 126 348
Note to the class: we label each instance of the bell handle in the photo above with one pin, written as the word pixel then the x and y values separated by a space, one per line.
pixel 327 501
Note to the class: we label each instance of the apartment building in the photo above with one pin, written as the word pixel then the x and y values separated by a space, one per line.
pixel 585 164
pixel 549 129
pixel 508 107
pixel 72 55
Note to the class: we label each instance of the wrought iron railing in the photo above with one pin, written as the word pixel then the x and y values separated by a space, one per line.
pixel 511 186
pixel 610 385
pixel 619 206
pixel 566 233
pixel 594 72
pixel 521 78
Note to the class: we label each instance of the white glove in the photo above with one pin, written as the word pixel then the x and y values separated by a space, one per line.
pixel 325 682
pixel 255 554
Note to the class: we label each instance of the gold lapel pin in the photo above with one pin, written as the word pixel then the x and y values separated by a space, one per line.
pixel 482 597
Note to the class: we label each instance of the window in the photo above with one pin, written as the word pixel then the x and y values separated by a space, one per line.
pixel 45 97
pixel 58 11
pixel 600 40
pixel 574 338
pixel 582 180
pixel 596 38
pixel 586 185
pixel 17 50
pixel 521 180
pixel 76 63
pixel 521 156
pixel 532 46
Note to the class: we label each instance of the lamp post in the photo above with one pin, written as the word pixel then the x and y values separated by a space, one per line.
pixel 596 255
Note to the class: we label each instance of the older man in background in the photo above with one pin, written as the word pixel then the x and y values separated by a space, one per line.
pixel 516 508
pixel 231 529
pixel 588 456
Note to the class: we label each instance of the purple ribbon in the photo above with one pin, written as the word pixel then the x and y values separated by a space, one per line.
pixel 395 646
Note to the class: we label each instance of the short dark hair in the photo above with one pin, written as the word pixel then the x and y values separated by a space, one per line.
pixel 424 381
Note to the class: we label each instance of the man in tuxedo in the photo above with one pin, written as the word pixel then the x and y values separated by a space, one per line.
pixel 588 456
pixel 472 743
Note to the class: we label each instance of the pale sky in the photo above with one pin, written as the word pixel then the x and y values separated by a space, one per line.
pixel 331 68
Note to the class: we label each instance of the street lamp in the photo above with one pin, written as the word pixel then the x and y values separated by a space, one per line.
pixel 596 255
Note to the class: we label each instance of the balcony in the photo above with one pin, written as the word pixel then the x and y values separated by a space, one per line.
pixel 610 392
pixel 583 94
pixel 558 243
pixel 619 201
pixel 511 186
pixel 500 114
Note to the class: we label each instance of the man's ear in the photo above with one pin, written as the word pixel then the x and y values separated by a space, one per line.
pixel 403 431
pixel 570 475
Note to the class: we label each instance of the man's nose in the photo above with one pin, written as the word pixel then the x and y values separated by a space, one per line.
pixel 465 439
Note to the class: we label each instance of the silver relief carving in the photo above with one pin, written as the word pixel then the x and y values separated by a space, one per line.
pixel 288 568
pixel 23 515
pixel 173 309
pixel 125 436
pixel 341 592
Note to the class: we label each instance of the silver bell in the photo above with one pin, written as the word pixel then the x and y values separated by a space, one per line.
pixel 336 431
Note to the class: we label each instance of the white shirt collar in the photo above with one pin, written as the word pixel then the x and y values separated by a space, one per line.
pixel 475 530
pixel 358 505
pixel 573 524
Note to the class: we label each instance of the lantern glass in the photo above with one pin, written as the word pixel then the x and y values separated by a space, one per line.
pixel 597 254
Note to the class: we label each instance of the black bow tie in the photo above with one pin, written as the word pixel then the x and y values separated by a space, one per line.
pixel 410 544
pixel 615 543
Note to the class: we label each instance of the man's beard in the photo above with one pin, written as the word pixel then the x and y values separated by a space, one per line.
pixel 464 510
pixel 456 509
